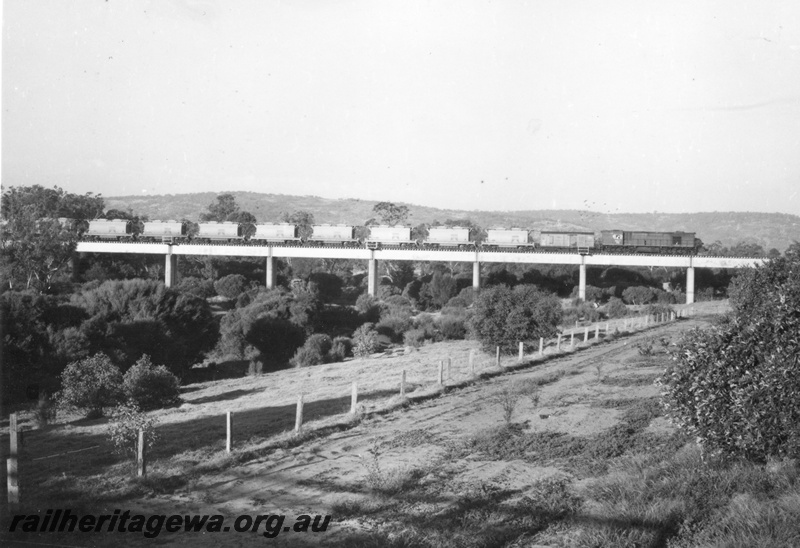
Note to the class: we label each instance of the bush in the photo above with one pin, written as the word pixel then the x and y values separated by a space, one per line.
pixel 395 319
pixel 616 308
pixel 314 352
pixel 365 341
pixel 231 286
pixel 341 348
pixel 503 317
pixel 123 429
pixel 196 286
pixel 427 323
pixel 270 329
pixel 639 295
pixel 657 309
pixel 368 307
pixel 735 385
pixel 90 385
pixel 452 327
pixel 580 312
pixel 150 386
pixel 129 318
pixel 414 337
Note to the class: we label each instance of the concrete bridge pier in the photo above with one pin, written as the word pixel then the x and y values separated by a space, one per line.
pixel 171 270
pixel 582 279
pixel 476 276
pixel 690 285
pixel 271 274
pixel 372 277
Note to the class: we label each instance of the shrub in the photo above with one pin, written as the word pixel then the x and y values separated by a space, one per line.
pixel 657 309
pixel 735 385
pixel 314 352
pixel 368 307
pixel 439 290
pixel 365 341
pixel 414 337
pixel 639 295
pixel 503 317
pixel 196 286
pixel 45 411
pixel 452 327
pixel 395 320
pixel 90 385
pixel 231 286
pixel 616 308
pixel 123 429
pixel 129 318
pixel 341 348
pixel 150 386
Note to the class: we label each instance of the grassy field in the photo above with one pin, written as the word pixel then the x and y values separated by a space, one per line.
pixel 568 449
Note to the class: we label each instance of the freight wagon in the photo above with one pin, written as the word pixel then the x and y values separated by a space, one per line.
pixel 163 231
pixel 582 242
pixel 220 232
pixel 384 235
pixel 503 237
pixel 109 229
pixel 281 233
pixel 455 236
pixel 332 234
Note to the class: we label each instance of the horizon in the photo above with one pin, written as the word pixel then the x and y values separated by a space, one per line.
pixel 469 106
pixel 140 196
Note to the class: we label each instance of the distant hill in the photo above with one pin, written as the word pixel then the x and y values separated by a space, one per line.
pixel 770 230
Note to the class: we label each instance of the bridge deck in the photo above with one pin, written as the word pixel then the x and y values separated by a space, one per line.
pixel 419 255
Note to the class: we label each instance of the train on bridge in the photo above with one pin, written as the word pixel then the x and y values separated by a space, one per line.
pixel 395 237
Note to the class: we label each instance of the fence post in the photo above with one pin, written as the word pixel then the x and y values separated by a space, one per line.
pixel 13 435
pixel 449 367
pixel 558 344
pixel 298 418
pixel 354 398
pixel 607 328
pixel 141 455
pixel 403 384
pixel 472 362
pixel 521 350
pixel 12 464
pixel 597 331
pixel 541 346
pixel 586 334
pixel 497 359
pixel 572 339
pixel 441 372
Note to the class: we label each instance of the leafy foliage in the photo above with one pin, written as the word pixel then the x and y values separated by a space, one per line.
pixel 123 429
pixel 615 308
pixel 90 385
pixel 315 351
pixel 270 328
pixel 150 386
pixel 230 286
pixel 365 341
pixel 503 317
pixel 735 385
pixel 134 317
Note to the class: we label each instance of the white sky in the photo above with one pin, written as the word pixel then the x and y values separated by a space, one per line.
pixel 626 106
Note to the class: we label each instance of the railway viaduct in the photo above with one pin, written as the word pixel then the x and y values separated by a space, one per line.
pixel 372 256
